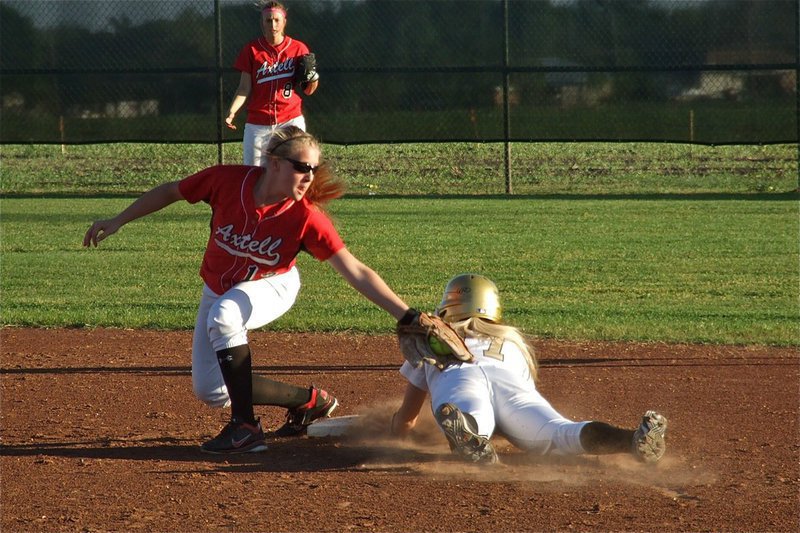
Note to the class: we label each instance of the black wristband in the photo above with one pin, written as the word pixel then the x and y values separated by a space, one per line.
pixel 409 317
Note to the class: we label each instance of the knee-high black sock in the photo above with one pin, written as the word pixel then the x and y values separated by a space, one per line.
pixel 601 438
pixel 237 371
pixel 270 392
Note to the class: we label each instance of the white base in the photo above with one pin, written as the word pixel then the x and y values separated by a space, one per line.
pixel 332 427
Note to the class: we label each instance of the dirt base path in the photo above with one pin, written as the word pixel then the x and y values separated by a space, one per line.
pixel 100 431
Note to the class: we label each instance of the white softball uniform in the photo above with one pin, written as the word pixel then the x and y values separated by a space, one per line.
pixel 256 137
pixel 223 322
pixel 497 389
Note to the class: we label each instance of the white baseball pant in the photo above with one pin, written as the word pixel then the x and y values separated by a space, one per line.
pixel 224 320
pixel 501 395
pixel 256 137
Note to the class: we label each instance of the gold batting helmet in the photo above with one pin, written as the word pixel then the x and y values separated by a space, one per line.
pixel 470 295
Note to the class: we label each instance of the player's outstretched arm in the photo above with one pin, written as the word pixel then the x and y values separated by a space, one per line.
pixel 368 283
pixel 406 416
pixel 150 202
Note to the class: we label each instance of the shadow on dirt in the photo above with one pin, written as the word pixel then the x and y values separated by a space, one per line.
pixel 600 362
pixel 283 455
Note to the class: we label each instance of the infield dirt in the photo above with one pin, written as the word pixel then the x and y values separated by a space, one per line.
pixel 100 432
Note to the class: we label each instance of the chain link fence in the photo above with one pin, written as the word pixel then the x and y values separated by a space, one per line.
pixel 475 71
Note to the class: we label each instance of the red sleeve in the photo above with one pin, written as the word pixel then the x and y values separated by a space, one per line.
pixel 198 186
pixel 320 238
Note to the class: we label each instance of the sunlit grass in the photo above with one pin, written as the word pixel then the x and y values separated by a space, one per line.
pixel 720 270
pixel 430 168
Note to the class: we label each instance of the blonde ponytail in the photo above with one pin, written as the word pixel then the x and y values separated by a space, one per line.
pixel 480 328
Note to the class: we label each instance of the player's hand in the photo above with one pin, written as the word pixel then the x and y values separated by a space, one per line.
pixel 98 231
pixel 229 123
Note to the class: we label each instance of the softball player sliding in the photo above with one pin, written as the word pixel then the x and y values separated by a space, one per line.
pixel 270 70
pixel 498 393
pixel 261 218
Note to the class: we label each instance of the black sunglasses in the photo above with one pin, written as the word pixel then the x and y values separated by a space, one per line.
pixel 303 168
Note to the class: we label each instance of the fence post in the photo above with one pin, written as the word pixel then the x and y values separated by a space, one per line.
pixel 220 92
pixel 506 105
pixel 797 88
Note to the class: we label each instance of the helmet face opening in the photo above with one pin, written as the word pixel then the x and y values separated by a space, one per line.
pixel 470 295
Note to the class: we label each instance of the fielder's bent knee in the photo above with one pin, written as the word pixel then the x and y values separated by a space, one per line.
pixel 225 324
pixel 212 397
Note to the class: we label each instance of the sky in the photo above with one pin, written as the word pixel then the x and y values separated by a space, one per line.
pixel 96 14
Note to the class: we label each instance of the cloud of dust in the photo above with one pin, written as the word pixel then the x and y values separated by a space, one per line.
pixel 426 452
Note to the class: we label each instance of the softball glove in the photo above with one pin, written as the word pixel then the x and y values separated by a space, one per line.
pixel 308 69
pixel 426 338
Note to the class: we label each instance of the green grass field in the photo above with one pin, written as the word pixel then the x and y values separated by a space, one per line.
pixel 619 261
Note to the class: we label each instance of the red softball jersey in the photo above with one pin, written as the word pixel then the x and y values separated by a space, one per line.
pixel 273 99
pixel 249 242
